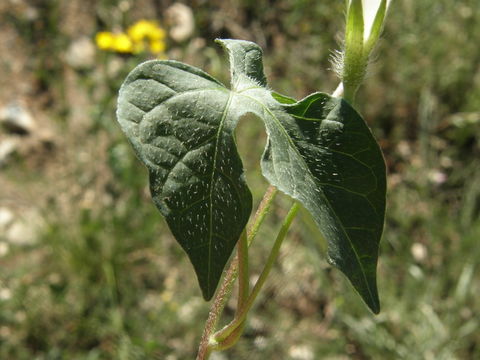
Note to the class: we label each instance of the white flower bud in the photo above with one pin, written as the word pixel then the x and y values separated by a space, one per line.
pixel 365 20
pixel 370 9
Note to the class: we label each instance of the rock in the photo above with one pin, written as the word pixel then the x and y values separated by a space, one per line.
pixel 419 252
pixel 6 218
pixel 8 146
pixel 19 230
pixel 21 233
pixel 15 118
pixel 81 54
pixel 301 352
pixel 5 294
pixel 181 21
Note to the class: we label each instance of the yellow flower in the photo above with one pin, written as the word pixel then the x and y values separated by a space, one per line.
pixel 145 29
pixel 157 46
pixel 140 36
pixel 157 34
pixel 104 40
pixel 123 43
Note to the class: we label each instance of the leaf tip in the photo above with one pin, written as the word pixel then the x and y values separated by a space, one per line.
pixel 207 294
pixel 246 60
pixel 365 286
pixel 373 302
pixel 370 297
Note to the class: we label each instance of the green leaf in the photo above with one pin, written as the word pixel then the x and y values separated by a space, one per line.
pixel 321 153
pixel 180 122
pixel 246 64
pixel 283 99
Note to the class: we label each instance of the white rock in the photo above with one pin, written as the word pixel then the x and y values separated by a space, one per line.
pixel 21 234
pixel 5 294
pixel 16 118
pixel 301 352
pixel 81 54
pixel 7 148
pixel 6 218
pixel 25 230
pixel 180 18
pixel 419 252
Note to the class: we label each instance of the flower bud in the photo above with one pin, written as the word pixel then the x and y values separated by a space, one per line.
pixel 365 20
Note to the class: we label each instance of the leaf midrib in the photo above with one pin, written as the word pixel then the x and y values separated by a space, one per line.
pixel 233 92
pixel 177 94
pixel 322 194
pixel 210 227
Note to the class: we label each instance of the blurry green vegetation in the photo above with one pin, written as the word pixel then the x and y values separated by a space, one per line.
pixel 107 281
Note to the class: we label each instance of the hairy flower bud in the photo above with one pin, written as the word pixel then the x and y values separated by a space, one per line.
pixel 365 20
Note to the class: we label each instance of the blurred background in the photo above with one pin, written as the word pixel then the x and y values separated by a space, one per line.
pixel 88 268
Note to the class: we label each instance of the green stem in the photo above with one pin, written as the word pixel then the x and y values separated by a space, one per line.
pixel 262 211
pixel 232 332
pixel 243 285
pixel 238 321
pixel 349 94
pixel 223 293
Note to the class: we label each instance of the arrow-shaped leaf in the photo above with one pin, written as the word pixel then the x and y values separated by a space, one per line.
pixel 180 122
pixel 321 153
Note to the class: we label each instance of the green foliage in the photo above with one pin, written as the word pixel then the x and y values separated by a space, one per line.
pixel 354 64
pixel 361 36
pixel 180 121
pixel 337 172
pixel 429 302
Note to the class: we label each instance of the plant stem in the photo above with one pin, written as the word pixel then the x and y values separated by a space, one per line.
pixel 240 318
pixel 223 293
pixel 349 94
pixel 233 330
pixel 262 211
pixel 243 283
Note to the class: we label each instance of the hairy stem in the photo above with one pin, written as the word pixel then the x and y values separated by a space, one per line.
pixel 234 329
pixel 242 256
pixel 223 293
pixel 238 321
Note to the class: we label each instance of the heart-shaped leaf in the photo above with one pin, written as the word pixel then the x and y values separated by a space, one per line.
pixel 319 151
pixel 180 122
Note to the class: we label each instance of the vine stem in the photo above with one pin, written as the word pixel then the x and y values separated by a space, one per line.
pixel 230 333
pixel 243 280
pixel 223 293
pixel 239 319
pixel 243 283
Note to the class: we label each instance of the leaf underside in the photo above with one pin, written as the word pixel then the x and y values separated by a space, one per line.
pixel 181 122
